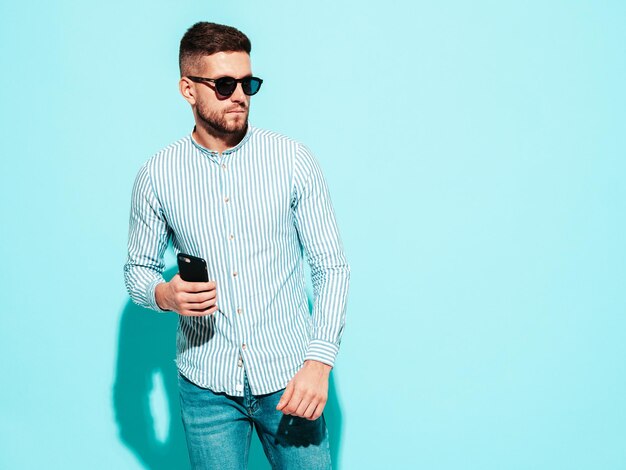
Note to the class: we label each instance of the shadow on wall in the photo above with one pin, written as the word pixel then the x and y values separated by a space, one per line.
pixel 145 394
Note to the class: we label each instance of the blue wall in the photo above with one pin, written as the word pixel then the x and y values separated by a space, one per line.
pixel 476 155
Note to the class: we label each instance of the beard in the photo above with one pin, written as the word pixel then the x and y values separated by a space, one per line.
pixel 217 122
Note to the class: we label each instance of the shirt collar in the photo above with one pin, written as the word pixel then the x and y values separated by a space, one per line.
pixel 209 152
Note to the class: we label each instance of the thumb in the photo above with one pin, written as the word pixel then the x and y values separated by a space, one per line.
pixel 286 396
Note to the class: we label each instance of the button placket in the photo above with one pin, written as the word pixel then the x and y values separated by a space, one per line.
pixel 229 184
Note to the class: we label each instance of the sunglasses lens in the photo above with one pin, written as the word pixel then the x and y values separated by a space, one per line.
pixel 225 86
pixel 251 85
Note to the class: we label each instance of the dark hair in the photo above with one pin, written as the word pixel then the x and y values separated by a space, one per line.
pixel 206 38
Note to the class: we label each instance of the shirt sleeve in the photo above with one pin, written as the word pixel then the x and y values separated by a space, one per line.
pixel 330 273
pixel 147 241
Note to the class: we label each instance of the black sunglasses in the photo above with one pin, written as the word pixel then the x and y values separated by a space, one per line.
pixel 225 86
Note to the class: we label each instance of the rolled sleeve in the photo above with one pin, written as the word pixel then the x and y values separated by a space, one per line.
pixel 322 351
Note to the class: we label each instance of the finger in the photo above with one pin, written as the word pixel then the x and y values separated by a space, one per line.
pixel 201 305
pixel 202 311
pixel 318 411
pixel 308 411
pixel 196 298
pixel 200 286
pixel 202 296
pixel 294 402
pixel 285 397
pixel 198 313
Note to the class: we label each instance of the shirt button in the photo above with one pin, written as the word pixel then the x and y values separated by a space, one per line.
pixel 235 274
pixel 226 199
pixel 224 166
pixel 243 346
pixel 231 236
pixel 239 311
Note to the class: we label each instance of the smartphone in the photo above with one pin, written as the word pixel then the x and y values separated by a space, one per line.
pixel 192 268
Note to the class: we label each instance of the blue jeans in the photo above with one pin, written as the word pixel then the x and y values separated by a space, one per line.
pixel 218 429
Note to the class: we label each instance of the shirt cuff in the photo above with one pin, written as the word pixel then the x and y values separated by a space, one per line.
pixel 152 295
pixel 322 351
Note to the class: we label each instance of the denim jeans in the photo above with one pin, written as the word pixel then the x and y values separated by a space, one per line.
pixel 218 429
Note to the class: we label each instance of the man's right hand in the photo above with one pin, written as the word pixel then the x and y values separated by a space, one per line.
pixel 191 299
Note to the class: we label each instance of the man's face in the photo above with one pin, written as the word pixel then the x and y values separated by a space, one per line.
pixel 217 113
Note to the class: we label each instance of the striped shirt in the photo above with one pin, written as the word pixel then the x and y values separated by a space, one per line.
pixel 251 212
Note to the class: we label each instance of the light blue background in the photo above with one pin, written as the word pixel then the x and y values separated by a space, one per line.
pixel 475 155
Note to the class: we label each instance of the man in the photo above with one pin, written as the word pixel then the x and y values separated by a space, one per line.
pixel 250 202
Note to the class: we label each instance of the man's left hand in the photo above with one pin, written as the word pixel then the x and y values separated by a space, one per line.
pixel 306 394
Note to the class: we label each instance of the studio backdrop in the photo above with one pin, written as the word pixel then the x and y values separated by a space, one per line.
pixel 475 154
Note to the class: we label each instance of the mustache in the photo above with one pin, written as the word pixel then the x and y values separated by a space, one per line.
pixel 239 107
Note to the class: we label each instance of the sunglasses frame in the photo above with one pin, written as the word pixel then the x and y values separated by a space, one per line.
pixel 216 82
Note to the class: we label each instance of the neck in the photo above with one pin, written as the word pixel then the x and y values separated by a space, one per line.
pixel 215 140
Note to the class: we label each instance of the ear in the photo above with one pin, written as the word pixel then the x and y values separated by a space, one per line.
pixel 188 90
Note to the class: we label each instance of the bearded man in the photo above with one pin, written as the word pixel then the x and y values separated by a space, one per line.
pixel 253 204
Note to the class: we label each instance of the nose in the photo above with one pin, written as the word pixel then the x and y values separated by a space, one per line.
pixel 238 95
